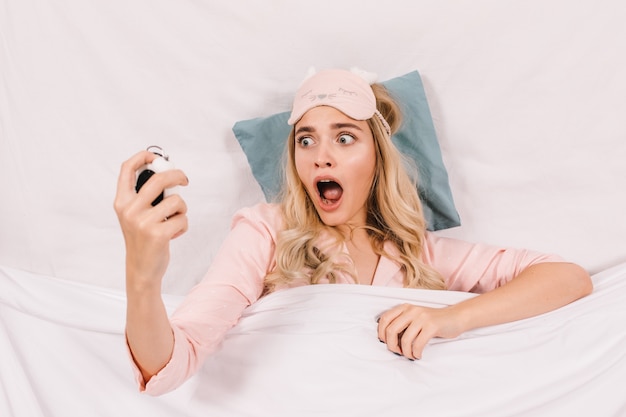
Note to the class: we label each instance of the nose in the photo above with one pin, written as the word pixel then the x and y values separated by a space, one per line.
pixel 324 157
pixel 321 163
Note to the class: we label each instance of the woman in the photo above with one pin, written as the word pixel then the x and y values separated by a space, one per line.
pixel 349 213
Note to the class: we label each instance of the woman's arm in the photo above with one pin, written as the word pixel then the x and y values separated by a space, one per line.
pixel 147 232
pixel 537 289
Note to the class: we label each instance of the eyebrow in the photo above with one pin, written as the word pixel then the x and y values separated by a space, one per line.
pixel 336 126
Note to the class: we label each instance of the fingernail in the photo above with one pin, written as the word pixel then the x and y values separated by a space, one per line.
pixel 380 341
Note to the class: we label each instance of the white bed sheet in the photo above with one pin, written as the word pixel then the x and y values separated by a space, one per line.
pixel 313 351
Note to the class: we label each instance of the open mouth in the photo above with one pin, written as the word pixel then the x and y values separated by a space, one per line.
pixel 330 191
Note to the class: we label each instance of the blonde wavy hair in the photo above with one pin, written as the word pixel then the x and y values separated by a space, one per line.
pixel 394 214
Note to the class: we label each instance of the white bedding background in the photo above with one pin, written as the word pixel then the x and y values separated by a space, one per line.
pixel 312 351
pixel 528 100
pixel 529 103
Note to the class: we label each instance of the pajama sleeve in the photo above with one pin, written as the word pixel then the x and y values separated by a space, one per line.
pixel 213 306
pixel 478 267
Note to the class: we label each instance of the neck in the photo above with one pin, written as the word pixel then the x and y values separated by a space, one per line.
pixel 355 236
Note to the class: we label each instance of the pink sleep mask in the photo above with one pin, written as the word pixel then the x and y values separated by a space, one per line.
pixel 344 90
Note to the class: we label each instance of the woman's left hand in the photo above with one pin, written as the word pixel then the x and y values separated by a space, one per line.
pixel 407 328
pixel 539 288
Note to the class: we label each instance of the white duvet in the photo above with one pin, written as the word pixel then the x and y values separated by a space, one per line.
pixel 313 351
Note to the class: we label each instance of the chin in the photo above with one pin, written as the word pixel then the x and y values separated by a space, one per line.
pixel 334 219
pixel 329 219
pixel 326 219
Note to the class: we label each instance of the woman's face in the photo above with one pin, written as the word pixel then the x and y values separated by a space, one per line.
pixel 335 160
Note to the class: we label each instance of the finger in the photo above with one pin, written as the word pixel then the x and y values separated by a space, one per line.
pixel 415 337
pixel 395 332
pixel 419 343
pixel 158 225
pixel 169 208
pixel 150 225
pixel 159 182
pixel 385 319
pixel 176 225
pixel 408 338
pixel 125 192
pixel 128 172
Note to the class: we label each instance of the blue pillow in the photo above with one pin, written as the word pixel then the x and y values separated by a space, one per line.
pixel 263 142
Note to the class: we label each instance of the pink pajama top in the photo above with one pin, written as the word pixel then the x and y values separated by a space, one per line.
pixel 235 280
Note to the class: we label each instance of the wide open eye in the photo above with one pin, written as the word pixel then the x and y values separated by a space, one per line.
pixel 346 139
pixel 305 141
